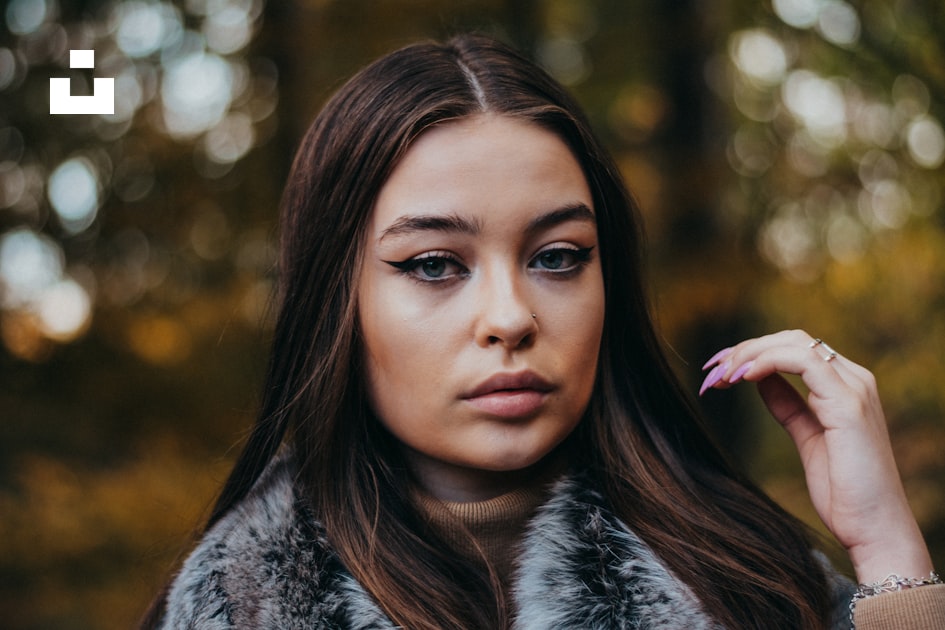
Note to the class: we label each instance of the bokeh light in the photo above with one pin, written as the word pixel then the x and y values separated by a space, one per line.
pixel 231 139
pixel 143 28
pixel 818 104
pixel 759 55
pixel 12 184
pixel 846 238
pixel 30 263
pixel 74 194
pixel 7 68
pixel 926 142
pixel 838 22
pixel 885 204
pixel 26 16
pixel 873 123
pixel 196 92
pixel 181 72
pixel 798 13
pixel 64 310
pixel 789 240
pixel 229 29
pixel 36 289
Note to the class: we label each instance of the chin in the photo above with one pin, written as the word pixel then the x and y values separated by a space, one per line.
pixel 512 460
pixel 509 465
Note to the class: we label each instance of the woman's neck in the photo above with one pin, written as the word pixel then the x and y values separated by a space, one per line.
pixel 459 484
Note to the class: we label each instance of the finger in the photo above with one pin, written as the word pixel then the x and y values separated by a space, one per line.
pixel 789 408
pixel 835 400
pixel 729 366
pixel 755 362
pixel 758 344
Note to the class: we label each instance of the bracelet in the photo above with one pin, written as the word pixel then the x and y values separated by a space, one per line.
pixel 891 584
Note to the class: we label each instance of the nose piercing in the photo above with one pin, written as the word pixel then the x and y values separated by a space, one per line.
pixel 534 316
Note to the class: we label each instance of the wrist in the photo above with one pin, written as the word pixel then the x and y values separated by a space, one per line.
pixel 911 563
pixel 902 552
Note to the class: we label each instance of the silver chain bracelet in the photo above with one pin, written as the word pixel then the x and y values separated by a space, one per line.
pixel 890 584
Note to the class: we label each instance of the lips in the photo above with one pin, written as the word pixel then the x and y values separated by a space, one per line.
pixel 510 395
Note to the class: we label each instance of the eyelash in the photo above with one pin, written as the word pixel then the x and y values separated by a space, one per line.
pixel 581 256
pixel 411 267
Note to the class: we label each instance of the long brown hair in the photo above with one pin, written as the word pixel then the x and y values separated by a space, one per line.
pixel 641 439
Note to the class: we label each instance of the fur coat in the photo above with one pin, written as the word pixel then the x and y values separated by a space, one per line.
pixel 267 564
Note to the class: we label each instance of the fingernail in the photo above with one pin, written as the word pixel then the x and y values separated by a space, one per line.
pixel 714 377
pixel 718 356
pixel 738 374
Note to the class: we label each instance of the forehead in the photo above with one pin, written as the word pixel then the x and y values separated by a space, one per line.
pixel 481 165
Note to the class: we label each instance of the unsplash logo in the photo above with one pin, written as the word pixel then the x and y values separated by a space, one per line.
pixel 61 100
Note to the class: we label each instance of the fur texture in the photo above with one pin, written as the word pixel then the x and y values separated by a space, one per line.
pixel 267 564
pixel 581 567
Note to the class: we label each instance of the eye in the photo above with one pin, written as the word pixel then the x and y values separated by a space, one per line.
pixel 560 259
pixel 555 258
pixel 432 267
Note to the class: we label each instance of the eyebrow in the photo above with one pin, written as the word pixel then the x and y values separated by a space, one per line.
pixel 462 225
pixel 430 222
pixel 570 212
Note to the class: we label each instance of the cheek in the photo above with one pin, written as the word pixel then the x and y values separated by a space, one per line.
pixel 580 330
pixel 587 356
pixel 398 331
pixel 405 352
pixel 577 321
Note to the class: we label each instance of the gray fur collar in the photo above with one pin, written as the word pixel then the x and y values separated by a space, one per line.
pixel 267 564
pixel 581 567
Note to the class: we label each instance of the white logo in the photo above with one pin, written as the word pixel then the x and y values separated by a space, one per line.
pixel 61 100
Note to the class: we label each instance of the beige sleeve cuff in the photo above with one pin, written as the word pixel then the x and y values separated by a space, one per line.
pixel 921 608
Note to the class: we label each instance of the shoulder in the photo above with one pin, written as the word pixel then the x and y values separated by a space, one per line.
pixel 266 563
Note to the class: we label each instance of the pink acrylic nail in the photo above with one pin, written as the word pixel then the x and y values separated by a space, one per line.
pixel 738 374
pixel 714 377
pixel 718 356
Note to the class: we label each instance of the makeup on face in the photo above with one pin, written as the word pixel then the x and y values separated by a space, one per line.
pixel 481 297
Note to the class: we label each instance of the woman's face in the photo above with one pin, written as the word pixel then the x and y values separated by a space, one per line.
pixel 485 222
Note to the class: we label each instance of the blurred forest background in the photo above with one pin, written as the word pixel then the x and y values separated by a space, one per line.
pixel 788 155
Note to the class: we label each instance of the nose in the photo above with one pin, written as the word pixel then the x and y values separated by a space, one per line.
pixel 504 316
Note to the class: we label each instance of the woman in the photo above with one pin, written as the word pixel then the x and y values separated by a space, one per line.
pixel 481 429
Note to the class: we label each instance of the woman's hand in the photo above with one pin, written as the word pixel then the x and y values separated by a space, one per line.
pixel 840 432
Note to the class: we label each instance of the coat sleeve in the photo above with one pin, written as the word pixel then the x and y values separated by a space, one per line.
pixel 921 608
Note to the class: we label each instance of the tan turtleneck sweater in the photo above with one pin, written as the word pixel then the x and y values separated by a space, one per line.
pixel 496 526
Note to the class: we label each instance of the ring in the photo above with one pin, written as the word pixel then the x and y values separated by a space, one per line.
pixel 831 353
